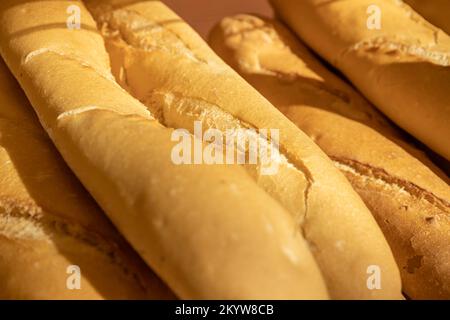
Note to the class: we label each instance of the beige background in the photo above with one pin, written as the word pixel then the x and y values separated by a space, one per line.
pixel 202 15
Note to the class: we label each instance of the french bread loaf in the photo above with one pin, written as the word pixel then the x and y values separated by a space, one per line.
pixel 49 223
pixel 403 67
pixel 410 202
pixel 162 62
pixel 435 11
pixel 208 231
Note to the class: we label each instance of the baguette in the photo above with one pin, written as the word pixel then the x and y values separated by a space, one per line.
pixel 403 67
pixel 409 201
pixel 435 11
pixel 48 222
pixel 207 231
pixel 162 62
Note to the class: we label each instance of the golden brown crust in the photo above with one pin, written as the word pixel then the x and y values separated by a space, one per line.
pixel 178 218
pixel 409 201
pixel 387 66
pixel 49 222
pixel 435 11
pixel 167 66
pixel 416 224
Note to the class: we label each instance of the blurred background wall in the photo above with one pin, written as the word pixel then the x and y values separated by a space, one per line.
pixel 202 15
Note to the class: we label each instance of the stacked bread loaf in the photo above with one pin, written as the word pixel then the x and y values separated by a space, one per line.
pixel 407 194
pixel 50 228
pixel 155 60
pixel 209 231
pixel 404 73
pixel 176 216
pixel 220 193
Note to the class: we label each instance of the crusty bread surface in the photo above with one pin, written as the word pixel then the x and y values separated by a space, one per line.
pixel 207 231
pixel 163 63
pixel 402 67
pixel 48 222
pixel 409 200
pixel 435 11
